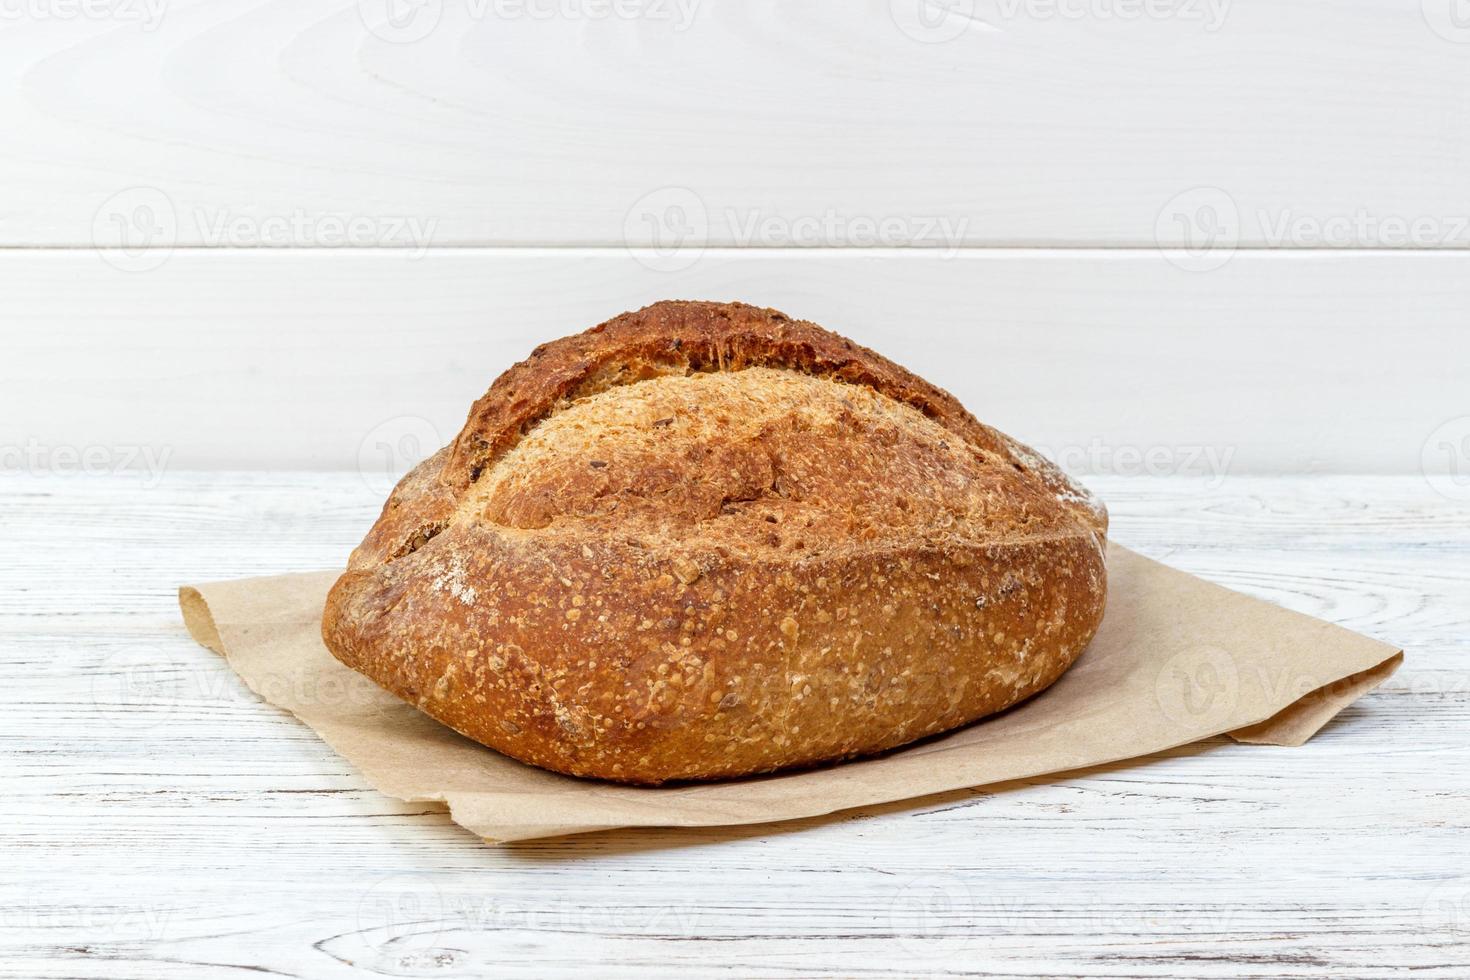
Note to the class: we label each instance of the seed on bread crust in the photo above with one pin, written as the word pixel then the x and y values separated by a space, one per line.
pixel 706 540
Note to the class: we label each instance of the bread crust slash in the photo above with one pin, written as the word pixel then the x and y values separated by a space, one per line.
pixel 705 540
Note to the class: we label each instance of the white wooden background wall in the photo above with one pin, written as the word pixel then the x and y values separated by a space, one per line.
pixel 1147 235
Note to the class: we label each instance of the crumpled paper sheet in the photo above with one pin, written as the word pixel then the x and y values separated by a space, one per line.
pixel 1176 660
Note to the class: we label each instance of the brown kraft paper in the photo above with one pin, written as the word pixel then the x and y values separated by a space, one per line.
pixel 1176 660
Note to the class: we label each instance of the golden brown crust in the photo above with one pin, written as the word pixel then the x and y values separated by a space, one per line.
pixel 706 540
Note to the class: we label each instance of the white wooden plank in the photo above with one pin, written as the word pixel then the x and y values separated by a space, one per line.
pixel 1381 555
pixel 1042 122
pixel 1114 361
pixel 174 826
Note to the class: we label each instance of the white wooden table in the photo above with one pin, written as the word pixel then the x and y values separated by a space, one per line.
pixel 160 821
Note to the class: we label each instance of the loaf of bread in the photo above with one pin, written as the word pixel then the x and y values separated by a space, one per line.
pixel 706 540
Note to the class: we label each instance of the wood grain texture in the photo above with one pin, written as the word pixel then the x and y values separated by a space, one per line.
pixel 162 822
pixel 1115 361
pixel 540 122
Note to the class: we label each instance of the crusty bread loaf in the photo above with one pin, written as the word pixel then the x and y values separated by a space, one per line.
pixel 706 540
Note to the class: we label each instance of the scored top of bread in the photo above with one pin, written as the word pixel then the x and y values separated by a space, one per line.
pixel 706 540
